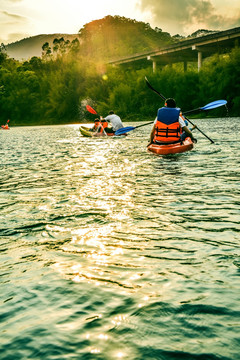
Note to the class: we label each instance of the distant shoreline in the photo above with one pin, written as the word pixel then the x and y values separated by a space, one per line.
pixel 130 121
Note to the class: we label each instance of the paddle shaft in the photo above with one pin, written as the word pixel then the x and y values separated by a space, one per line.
pixel 163 97
pixel 196 127
pixel 143 125
pixel 194 110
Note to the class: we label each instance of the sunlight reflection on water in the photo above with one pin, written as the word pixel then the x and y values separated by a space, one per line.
pixel 111 252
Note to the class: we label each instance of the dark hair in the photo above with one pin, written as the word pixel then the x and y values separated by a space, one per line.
pixel 171 103
pixel 111 112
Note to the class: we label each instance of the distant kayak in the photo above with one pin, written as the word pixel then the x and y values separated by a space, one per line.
pixel 186 145
pixel 5 127
pixel 85 131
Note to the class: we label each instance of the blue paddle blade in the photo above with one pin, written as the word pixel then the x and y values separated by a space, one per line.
pixel 124 130
pixel 214 104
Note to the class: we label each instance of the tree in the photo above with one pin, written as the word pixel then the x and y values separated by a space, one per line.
pixel 46 50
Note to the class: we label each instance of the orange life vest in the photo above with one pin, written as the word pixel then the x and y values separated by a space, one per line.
pixel 98 126
pixel 104 124
pixel 167 127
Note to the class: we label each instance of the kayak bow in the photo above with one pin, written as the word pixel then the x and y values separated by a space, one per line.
pixel 166 149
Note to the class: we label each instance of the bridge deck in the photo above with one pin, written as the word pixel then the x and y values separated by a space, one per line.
pixel 188 50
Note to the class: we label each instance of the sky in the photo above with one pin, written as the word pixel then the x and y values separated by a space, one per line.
pixel 24 18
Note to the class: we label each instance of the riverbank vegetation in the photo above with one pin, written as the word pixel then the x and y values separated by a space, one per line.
pixel 55 88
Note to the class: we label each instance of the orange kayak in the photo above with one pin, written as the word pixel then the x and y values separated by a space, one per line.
pixel 186 145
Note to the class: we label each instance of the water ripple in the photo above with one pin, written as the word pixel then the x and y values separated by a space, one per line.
pixel 108 252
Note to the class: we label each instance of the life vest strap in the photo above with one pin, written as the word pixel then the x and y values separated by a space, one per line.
pixel 167 142
pixel 167 132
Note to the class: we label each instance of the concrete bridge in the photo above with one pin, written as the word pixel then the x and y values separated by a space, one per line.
pixel 185 51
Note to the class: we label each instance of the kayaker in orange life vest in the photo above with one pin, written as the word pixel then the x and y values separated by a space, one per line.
pixel 98 126
pixel 169 126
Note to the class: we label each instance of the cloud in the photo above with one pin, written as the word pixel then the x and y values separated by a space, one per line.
pixel 182 16
pixel 12 1
pixel 13 16
pixel 9 22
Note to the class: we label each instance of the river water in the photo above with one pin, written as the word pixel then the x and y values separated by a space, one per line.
pixel 110 252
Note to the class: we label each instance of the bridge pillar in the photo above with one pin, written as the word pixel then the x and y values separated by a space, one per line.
pixel 194 47
pixel 154 63
pixel 154 66
pixel 199 60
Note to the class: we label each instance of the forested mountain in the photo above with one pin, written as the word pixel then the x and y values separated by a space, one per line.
pixel 110 37
pixel 115 36
pixel 26 48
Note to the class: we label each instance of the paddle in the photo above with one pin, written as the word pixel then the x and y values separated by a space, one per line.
pixel 130 128
pixel 212 105
pixel 91 110
pixel 209 106
pixel 150 87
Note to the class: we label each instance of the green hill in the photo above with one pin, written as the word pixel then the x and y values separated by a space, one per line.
pixel 115 36
pixel 107 38
pixel 26 48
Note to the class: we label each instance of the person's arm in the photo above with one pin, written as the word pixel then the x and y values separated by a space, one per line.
pixel 151 135
pixel 107 118
pixel 186 129
pixel 152 132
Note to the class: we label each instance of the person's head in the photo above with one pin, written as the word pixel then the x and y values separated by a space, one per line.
pixel 171 103
pixel 96 120
pixel 111 112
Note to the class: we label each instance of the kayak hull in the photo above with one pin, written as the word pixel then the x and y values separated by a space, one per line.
pixel 177 148
pixel 85 131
